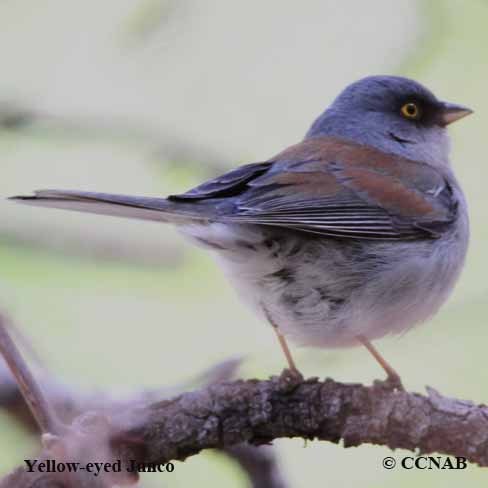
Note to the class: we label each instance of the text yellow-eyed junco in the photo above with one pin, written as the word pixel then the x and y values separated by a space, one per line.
pixel 358 231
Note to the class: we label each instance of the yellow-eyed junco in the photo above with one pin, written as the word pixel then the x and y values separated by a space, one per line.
pixel 358 231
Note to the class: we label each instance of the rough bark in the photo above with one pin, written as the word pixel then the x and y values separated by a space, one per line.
pixel 258 411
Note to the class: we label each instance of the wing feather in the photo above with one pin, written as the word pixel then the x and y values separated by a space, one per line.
pixel 335 187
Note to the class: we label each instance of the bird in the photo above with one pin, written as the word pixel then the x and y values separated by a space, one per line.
pixel 358 231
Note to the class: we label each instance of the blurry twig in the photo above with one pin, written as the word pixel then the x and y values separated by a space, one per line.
pixel 13 117
pixel 159 148
pixel 226 414
pixel 143 252
pixel 69 402
pixel 260 465
pixel 84 427
pixel 163 147
pixel 31 392
pixel 148 430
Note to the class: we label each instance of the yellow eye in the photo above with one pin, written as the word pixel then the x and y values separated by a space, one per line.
pixel 411 111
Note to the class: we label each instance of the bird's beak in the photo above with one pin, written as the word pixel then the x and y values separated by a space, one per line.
pixel 452 112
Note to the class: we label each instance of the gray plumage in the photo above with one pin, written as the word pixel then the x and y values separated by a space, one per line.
pixel 360 230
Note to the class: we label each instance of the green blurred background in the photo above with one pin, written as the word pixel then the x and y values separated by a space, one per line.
pixel 152 96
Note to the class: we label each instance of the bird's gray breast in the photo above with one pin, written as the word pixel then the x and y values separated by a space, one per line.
pixel 324 292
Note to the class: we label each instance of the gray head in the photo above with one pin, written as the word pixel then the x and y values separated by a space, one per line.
pixel 394 114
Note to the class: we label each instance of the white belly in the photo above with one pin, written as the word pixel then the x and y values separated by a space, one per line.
pixel 321 294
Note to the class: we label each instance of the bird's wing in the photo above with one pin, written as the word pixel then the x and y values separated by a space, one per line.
pixel 335 187
pixel 230 184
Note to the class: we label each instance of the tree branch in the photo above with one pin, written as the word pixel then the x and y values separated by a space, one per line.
pixel 258 411
pixel 260 464
pixel 26 400
pixel 225 414
pixel 32 393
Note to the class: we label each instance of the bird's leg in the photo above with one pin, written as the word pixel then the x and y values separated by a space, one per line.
pixel 283 344
pixel 285 348
pixel 393 377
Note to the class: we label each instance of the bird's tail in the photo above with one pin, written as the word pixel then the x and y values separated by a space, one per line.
pixel 145 208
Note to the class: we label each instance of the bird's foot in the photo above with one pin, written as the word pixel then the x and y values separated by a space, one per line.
pixel 392 382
